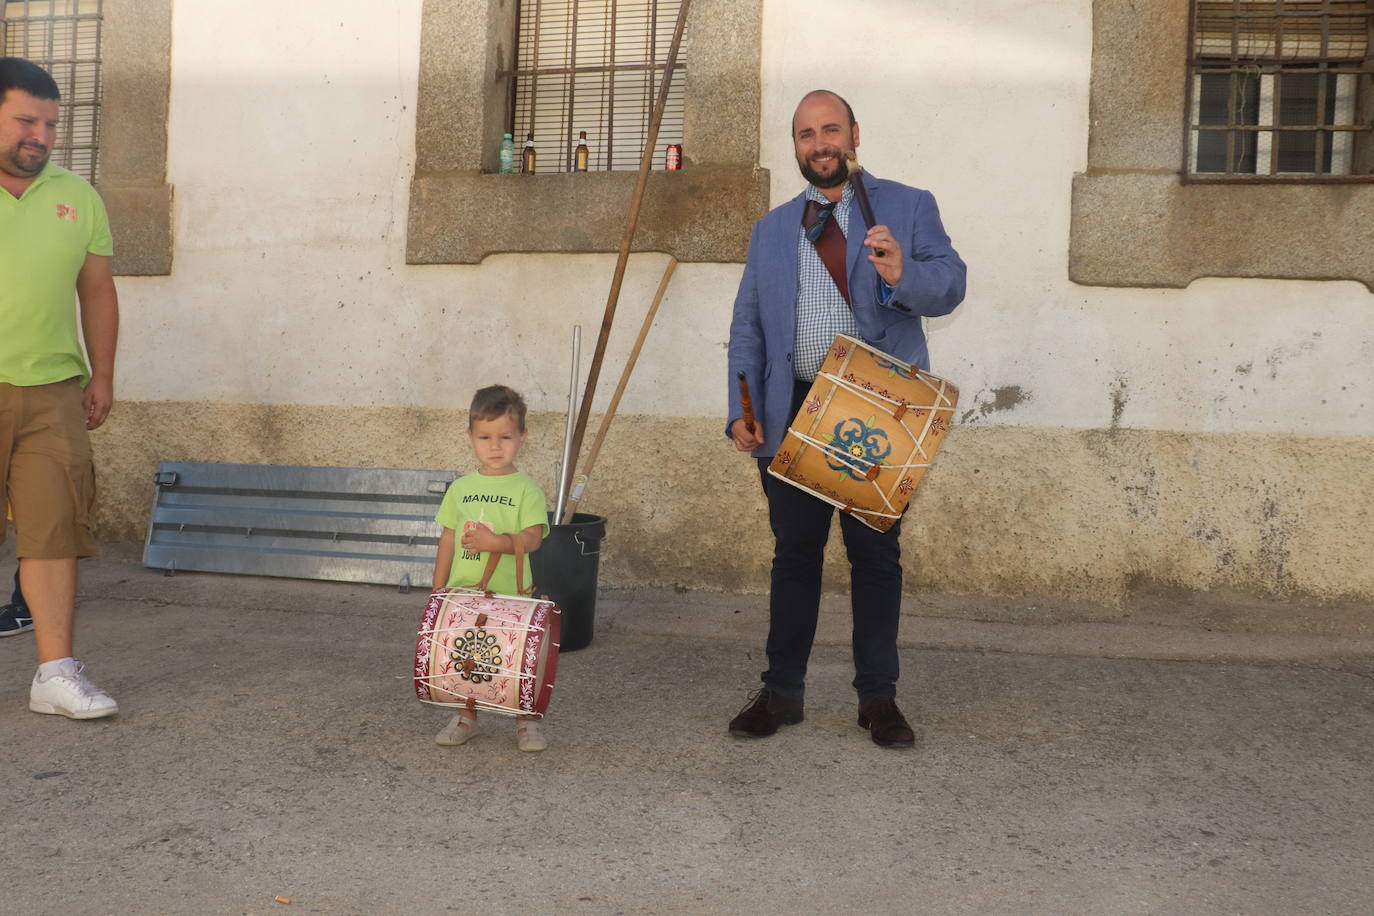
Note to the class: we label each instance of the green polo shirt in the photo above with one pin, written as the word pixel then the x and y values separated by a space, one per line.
pixel 44 238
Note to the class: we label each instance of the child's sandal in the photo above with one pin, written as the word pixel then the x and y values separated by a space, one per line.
pixel 458 731
pixel 529 737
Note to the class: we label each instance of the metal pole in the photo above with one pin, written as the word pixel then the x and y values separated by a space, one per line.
pixel 565 466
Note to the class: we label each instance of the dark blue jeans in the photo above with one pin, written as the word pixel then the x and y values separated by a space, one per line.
pixel 801 527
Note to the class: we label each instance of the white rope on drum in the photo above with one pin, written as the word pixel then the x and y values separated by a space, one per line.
pixel 484 705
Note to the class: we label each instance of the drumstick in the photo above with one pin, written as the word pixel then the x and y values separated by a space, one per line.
pixel 746 405
pixel 856 181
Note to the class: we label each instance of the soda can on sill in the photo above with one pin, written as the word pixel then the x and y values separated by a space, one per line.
pixel 672 157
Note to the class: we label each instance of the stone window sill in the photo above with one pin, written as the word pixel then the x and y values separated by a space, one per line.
pixel 702 213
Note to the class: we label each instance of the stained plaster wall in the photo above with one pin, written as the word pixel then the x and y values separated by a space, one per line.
pixel 1213 437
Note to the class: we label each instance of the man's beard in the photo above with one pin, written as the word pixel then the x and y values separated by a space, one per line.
pixel 17 167
pixel 834 180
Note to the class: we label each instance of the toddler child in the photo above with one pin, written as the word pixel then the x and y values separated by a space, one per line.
pixel 485 512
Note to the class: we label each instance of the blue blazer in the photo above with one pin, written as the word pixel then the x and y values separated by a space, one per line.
pixel 764 326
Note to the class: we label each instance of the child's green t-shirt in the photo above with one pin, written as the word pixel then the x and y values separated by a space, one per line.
pixel 506 504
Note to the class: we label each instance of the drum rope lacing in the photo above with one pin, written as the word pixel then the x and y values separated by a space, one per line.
pixel 482 704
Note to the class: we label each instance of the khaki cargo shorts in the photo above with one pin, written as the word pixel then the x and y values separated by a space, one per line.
pixel 47 468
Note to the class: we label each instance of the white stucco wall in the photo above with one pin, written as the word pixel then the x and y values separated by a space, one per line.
pixel 291 151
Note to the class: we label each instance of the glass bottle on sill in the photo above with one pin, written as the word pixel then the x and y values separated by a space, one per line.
pixel 582 156
pixel 527 159
pixel 507 158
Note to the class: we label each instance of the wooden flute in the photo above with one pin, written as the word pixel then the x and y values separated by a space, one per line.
pixel 746 405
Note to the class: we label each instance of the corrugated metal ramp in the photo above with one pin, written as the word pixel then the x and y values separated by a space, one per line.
pixel 346 524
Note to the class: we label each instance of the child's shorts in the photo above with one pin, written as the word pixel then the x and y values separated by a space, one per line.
pixel 47 468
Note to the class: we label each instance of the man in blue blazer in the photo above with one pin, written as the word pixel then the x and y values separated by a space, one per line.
pixel 815 270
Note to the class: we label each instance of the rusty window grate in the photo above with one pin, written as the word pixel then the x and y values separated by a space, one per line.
pixel 594 66
pixel 1281 90
pixel 63 37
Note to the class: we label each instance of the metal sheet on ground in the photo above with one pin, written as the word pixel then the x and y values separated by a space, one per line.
pixel 373 525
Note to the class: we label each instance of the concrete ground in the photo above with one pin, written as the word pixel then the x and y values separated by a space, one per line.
pixel 269 744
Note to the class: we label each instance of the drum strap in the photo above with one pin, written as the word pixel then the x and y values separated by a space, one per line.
pixel 495 560
pixel 830 244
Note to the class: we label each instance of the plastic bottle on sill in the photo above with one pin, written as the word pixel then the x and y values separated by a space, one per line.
pixel 507 164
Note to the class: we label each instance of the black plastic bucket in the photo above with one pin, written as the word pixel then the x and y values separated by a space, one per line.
pixel 565 569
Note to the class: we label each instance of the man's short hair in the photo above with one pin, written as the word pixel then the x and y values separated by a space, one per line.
pixel 496 401
pixel 830 92
pixel 26 76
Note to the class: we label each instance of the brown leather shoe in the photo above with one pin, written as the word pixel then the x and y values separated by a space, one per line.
pixel 766 711
pixel 886 723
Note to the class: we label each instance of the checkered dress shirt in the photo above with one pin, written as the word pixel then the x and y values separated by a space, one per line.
pixel 821 310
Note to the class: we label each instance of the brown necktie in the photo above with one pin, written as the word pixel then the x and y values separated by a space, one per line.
pixel 829 244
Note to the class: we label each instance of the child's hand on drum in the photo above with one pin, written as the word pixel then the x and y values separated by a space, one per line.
pixel 745 441
pixel 480 538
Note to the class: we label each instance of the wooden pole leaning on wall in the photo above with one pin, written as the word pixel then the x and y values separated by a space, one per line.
pixel 575 496
pixel 645 161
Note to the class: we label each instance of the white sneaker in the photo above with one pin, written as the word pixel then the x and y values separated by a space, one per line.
pixel 71 694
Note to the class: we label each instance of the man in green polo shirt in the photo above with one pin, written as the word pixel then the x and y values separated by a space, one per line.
pixel 55 250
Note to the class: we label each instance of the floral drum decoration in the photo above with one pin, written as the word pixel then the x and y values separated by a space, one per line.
pixel 857 445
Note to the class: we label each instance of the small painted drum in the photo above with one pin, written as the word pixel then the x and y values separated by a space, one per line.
pixel 866 433
pixel 487 651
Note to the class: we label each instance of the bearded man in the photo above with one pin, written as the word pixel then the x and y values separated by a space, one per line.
pixel 794 297
pixel 55 250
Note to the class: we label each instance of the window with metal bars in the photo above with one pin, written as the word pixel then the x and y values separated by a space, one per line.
pixel 63 37
pixel 594 66
pixel 1281 90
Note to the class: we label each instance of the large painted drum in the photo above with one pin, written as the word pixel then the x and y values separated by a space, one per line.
pixel 867 432
pixel 487 651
